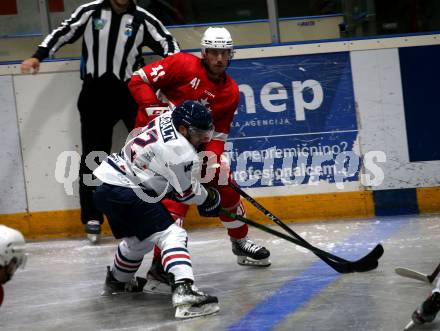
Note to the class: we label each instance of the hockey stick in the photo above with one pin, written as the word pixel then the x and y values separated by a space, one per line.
pixel 418 275
pixel 343 266
pixel 374 254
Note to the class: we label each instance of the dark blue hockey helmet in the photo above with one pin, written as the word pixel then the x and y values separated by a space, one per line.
pixel 194 116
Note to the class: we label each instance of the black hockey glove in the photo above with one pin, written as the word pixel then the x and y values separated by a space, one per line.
pixel 211 206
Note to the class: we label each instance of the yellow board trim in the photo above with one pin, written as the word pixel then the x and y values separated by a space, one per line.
pixel 428 199
pixel 48 224
pixel 299 208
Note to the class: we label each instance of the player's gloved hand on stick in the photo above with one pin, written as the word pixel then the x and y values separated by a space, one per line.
pixel 211 206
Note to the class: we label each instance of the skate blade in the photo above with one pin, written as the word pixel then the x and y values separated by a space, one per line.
pixel 409 326
pixel 247 261
pixel 93 238
pixel 188 311
pixel 156 287
pixel 107 293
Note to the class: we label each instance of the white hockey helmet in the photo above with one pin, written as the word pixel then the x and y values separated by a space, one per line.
pixel 12 247
pixel 218 38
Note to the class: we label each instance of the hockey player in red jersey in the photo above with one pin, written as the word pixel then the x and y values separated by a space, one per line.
pixel 12 254
pixel 159 86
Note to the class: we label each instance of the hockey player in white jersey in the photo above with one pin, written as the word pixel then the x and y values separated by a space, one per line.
pixel 428 310
pixel 157 162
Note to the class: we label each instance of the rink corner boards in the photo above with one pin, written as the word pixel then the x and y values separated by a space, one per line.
pixel 296 208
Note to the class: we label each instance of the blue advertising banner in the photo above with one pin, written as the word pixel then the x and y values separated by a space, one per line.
pixel 296 122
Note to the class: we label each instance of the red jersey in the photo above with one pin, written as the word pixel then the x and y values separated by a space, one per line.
pixel 180 77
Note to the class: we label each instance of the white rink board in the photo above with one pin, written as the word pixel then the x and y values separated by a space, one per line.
pixel 12 188
pixel 49 124
pixel 378 94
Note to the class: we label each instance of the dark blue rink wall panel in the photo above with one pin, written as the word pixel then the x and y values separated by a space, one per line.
pixel 420 71
pixel 395 202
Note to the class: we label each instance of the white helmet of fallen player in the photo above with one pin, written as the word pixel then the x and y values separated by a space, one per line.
pixel 217 38
pixel 12 250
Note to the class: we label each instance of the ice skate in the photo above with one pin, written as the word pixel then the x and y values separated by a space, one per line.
pixel 113 287
pixel 427 312
pixel 249 253
pixel 190 302
pixel 158 281
pixel 93 231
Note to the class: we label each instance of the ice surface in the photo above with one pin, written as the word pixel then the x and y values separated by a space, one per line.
pixel 60 287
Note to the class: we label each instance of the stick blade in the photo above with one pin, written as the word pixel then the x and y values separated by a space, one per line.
pixel 368 262
pixel 409 273
pixel 350 267
pixel 378 251
pixel 341 267
pixel 375 254
pixel 365 266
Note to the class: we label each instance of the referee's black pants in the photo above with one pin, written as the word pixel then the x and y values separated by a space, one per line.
pixel 102 103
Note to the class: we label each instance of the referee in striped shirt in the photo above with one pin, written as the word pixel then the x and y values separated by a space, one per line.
pixel 114 32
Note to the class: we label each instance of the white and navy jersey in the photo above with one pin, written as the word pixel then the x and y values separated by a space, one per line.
pixel 159 159
pixel 112 43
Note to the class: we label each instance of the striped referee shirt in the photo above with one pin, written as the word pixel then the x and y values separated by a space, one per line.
pixel 112 43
